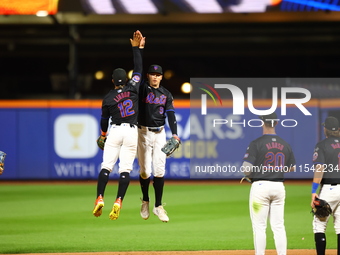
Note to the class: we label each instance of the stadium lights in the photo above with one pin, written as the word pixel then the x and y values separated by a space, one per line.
pixel 101 6
pixel 196 6
pixel 42 13
pixel 186 88
pixel 139 6
pixel 204 6
pixel 168 74
pixel 99 75
pixel 251 6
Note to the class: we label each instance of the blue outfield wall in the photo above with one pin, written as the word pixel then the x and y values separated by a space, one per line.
pixel 225 143
pixel 50 143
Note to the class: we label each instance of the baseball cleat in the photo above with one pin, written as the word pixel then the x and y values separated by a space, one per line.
pixel 98 206
pixel 114 214
pixel 161 213
pixel 144 210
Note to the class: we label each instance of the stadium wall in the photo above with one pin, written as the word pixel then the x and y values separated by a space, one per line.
pixel 56 139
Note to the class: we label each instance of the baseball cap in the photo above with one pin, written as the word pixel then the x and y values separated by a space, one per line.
pixel 119 76
pixel 331 123
pixel 268 117
pixel 155 69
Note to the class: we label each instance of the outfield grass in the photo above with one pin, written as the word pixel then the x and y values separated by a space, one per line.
pixel 58 218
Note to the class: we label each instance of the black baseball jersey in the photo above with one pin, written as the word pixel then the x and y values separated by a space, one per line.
pixel 153 104
pixel 271 157
pixel 327 153
pixel 122 104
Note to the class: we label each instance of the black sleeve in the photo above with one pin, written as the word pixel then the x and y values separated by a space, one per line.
pixel 137 65
pixel 104 122
pixel 318 155
pixel 251 153
pixel 172 121
pixel 169 106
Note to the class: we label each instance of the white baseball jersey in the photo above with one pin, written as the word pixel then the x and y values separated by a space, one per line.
pixel 327 153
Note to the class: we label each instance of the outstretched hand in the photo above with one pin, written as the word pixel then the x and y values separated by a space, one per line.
pixel 136 39
pixel 142 42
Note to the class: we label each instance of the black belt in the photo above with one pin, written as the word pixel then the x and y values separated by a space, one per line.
pixel 131 125
pixel 155 129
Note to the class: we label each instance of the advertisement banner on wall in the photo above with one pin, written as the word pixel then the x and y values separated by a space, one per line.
pixel 75 154
pixel 47 142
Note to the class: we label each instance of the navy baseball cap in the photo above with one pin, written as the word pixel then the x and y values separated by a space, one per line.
pixel 267 118
pixel 155 69
pixel 119 76
pixel 331 123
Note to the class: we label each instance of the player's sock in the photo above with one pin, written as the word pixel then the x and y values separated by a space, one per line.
pixel 338 244
pixel 124 181
pixel 320 243
pixel 158 184
pixel 103 178
pixel 144 184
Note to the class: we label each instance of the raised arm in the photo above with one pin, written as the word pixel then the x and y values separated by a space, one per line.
pixel 137 56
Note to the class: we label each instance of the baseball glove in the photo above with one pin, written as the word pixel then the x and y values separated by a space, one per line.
pixel 322 209
pixel 171 145
pixel 101 141
pixel 2 161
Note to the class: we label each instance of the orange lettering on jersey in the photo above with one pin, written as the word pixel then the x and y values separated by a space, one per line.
pixel 122 95
pixel 335 145
pixel 152 99
pixel 275 145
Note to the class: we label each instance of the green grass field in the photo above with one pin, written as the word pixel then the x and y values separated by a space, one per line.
pixel 36 218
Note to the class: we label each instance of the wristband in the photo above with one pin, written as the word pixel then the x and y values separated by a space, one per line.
pixel 104 133
pixel 315 186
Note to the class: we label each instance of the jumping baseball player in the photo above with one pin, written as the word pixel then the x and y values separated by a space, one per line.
pixel 265 162
pixel 326 171
pixel 155 104
pixel 121 105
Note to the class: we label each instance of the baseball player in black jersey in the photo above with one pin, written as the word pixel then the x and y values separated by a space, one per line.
pixel 121 105
pixel 326 171
pixel 265 162
pixel 155 104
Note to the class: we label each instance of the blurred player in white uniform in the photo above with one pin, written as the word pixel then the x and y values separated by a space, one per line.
pixel 327 173
pixel 265 162
pixel 155 104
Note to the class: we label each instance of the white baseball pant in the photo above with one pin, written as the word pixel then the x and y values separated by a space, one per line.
pixel 331 194
pixel 121 143
pixel 267 198
pixel 150 157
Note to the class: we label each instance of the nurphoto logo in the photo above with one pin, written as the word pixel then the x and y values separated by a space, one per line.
pixel 238 100
pixel 204 97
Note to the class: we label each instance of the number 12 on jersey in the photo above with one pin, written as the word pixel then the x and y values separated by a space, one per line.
pixel 125 108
